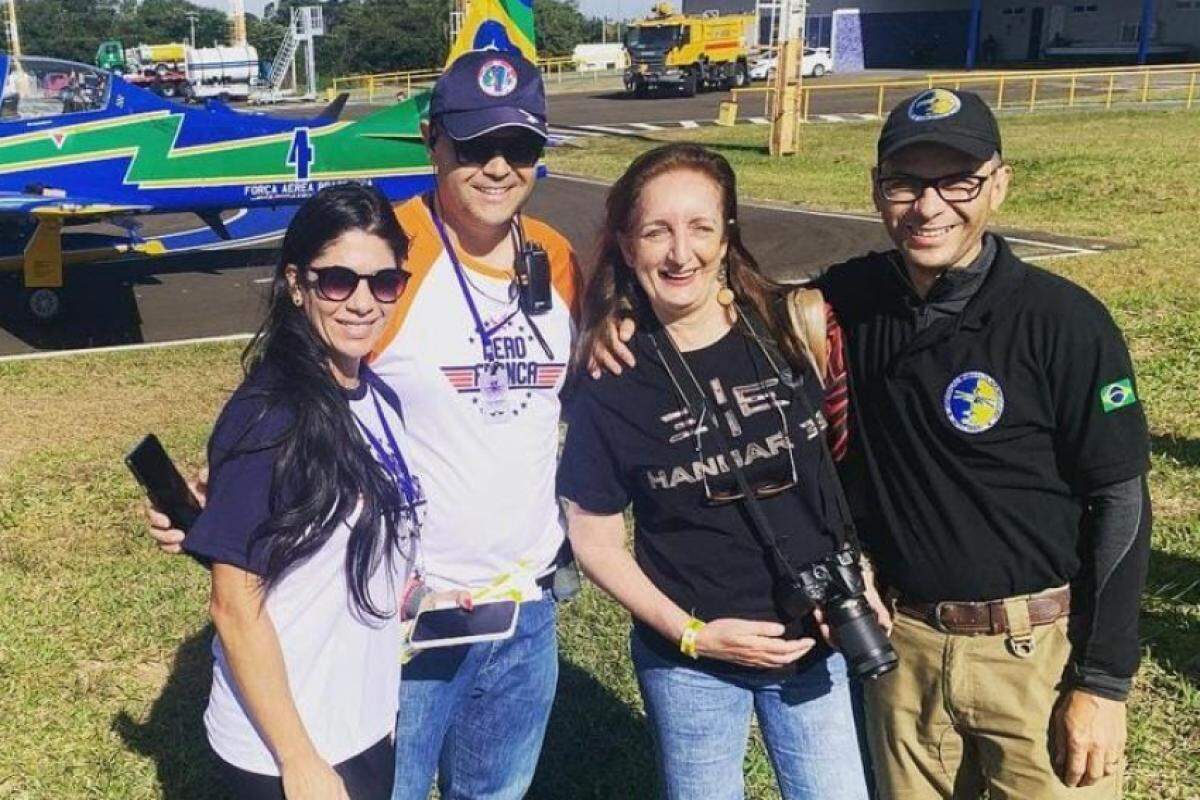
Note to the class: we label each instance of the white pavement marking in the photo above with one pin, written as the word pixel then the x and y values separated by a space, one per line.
pixel 831 117
pixel 689 123
pixel 868 117
pixel 605 129
pixel 125 348
pixel 573 132
pixel 262 280
pixel 759 120
pixel 646 126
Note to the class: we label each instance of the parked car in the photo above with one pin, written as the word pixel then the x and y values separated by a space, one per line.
pixel 817 62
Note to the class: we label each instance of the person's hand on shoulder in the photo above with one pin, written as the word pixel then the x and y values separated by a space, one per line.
pixel 168 539
pixel 611 352
pixel 750 643
pixel 310 778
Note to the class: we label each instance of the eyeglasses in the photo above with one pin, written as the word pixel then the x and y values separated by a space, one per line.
pixel 762 489
pixel 338 283
pixel 959 188
pixel 519 151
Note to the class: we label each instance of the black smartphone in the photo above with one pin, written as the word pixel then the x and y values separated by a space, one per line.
pixel 165 487
pixel 444 627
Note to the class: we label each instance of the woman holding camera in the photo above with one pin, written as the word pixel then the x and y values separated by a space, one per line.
pixel 722 404
pixel 310 521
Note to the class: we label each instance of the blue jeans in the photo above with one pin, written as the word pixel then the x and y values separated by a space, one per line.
pixel 701 721
pixel 476 714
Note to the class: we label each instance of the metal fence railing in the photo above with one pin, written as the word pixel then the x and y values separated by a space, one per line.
pixel 1013 91
pixel 389 86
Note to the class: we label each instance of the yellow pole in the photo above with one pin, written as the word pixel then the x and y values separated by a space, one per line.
pixel 879 105
pixel 783 115
pixel 1000 94
pixel 1146 86
pixel 1112 79
pixel 1071 97
pixel 807 98
pixel 14 34
pixel 1191 90
pixel 1032 93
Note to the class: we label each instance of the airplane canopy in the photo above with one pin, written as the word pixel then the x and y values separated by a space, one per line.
pixel 36 87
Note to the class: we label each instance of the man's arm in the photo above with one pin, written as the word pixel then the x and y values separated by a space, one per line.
pixel 1088 729
pixel 1116 553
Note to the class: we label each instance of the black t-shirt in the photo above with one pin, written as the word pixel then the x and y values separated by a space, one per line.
pixel 630 439
pixel 976 439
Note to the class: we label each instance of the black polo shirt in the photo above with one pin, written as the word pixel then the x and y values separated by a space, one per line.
pixel 978 437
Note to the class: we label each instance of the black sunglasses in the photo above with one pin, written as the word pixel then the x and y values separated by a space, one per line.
pixel 338 283
pixel 518 151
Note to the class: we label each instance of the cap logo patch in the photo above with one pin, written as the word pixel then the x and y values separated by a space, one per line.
pixel 934 104
pixel 497 78
pixel 973 402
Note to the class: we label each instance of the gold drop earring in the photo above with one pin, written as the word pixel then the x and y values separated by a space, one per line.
pixel 725 295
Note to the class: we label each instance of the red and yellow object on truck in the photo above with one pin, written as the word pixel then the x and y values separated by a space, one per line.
pixel 689 54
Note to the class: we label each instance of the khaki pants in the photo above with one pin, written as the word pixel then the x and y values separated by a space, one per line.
pixel 963 714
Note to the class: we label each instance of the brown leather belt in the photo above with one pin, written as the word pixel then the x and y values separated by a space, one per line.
pixel 986 617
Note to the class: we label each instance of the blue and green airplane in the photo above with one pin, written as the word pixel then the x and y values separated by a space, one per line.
pixel 79 145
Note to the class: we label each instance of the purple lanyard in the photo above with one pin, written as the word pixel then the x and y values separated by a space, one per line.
pixel 393 461
pixel 485 333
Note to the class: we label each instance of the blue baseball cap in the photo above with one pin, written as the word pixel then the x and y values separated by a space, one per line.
pixel 485 90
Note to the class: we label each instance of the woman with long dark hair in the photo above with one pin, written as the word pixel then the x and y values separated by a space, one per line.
pixel 714 429
pixel 310 520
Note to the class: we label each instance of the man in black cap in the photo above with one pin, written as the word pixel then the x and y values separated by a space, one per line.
pixel 1000 453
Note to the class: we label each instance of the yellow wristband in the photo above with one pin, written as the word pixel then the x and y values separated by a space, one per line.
pixel 687 641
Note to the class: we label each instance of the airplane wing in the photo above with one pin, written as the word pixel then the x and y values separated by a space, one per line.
pixel 65 208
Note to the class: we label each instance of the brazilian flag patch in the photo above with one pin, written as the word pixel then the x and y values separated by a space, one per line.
pixel 1117 395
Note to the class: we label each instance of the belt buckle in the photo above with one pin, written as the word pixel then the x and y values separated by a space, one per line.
pixel 938 625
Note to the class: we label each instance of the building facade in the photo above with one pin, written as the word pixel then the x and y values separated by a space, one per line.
pixel 937 33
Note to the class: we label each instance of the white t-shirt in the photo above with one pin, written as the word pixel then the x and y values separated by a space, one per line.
pixel 343 666
pixel 487 458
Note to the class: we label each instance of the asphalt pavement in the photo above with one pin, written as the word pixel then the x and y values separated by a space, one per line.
pixel 212 294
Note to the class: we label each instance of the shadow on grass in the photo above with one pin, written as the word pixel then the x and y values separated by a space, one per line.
pixel 1185 451
pixel 1172 634
pixel 596 745
pixel 173 734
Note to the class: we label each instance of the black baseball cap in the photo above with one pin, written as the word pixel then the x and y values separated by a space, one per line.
pixel 960 120
pixel 485 90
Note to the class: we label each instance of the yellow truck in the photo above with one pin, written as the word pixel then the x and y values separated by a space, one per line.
pixel 688 54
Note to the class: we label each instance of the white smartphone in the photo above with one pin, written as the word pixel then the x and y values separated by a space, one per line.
pixel 452 625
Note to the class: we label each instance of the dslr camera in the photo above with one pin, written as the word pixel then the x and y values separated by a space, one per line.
pixel 836 585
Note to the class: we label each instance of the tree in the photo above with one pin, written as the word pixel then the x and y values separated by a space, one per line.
pixel 559 26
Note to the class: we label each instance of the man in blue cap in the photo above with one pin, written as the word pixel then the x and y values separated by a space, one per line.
pixel 478 365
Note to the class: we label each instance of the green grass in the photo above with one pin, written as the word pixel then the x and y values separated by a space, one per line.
pixel 104 662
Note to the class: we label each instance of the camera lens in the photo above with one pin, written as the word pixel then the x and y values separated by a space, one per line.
pixel 862 641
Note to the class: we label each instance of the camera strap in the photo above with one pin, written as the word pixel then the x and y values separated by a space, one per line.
pixel 848 533
pixel 693 397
